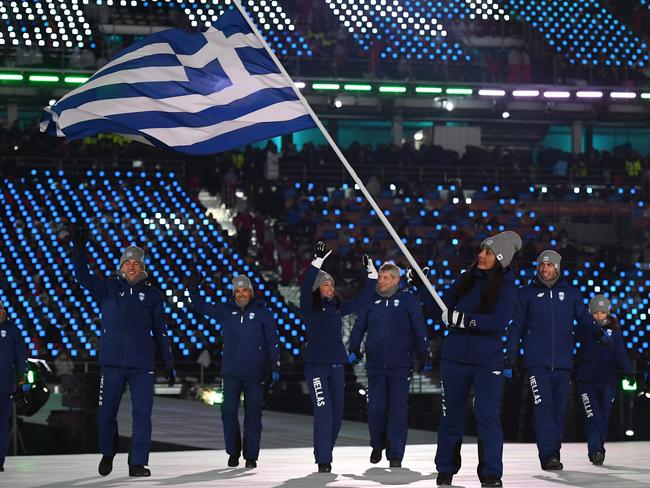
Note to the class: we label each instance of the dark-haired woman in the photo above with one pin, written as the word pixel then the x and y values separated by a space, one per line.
pixel 601 356
pixel 480 304
pixel 322 310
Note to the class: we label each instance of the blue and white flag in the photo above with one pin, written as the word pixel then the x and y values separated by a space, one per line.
pixel 195 92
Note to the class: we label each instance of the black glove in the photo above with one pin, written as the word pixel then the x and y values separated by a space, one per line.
pixel 320 250
pixel 603 336
pixel 170 376
pixel 413 278
pixel 192 281
pixel 79 239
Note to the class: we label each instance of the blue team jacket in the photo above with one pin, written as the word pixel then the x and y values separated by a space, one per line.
pixel 133 322
pixel 324 327
pixel 598 363
pixel 250 337
pixel 544 319
pixel 481 342
pixel 13 356
pixel 395 328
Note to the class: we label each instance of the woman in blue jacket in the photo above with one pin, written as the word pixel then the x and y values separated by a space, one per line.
pixel 480 304
pixel 325 354
pixel 601 355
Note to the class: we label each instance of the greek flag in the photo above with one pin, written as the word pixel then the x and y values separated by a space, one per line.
pixel 195 92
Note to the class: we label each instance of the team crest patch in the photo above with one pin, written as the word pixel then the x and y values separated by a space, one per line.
pixel 141 296
pixel 561 296
pixel 396 302
pixel 251 316
pixel 3 333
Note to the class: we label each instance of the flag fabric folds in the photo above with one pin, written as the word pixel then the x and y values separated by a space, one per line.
pixel 195 92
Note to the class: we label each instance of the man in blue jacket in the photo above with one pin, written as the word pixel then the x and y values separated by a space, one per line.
pixel 250 353
pixel 394 328
pixel 133 328
pixel 13 364
pixel 544 317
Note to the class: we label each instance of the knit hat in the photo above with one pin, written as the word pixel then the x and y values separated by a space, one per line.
pixel 550 256
pixel 503 246
pixel 132 253
pixel 600 303
pixel 321 278
pixel 241 281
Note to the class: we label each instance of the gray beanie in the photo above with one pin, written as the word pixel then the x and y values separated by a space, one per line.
pixel 550 256
pixel 600 303
pixel 241 281
pixel 503 246
pixel 321 278
pixel 132 253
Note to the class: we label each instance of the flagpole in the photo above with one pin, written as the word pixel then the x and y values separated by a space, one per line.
pixel 344 161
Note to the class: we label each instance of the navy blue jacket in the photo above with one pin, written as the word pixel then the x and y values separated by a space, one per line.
pixel 544 319
pixel 133 322
pixel 598 363
pixel 395 328
pixel 480 343
pixel 324 327
pixel 13 356
pixel 250 337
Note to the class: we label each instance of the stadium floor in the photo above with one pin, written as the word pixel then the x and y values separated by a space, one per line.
pixel 626 467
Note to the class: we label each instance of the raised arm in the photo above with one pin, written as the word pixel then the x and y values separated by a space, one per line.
pixel 95 285
pixel 321 252
pixel 362 299
pixel 215 311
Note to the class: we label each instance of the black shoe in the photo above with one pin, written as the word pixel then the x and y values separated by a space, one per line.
pixel 553 464
pixel 233 460
pixel 138 470
pixel 375 456
pixel 324 468
pixel 251 463
pixel 598 458
pixel 105 466
pixel 395 463
pixel 491 481
pixel 2 468
pixel 444 479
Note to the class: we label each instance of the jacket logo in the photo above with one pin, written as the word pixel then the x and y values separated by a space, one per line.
pixel 3 333
pixel 377 302
pixel 251 316
pixel 540 295
pixel 396 302
pixel 561 296
pixel 496 372
pixel 122 293
pixel 234 313
pixel 141 296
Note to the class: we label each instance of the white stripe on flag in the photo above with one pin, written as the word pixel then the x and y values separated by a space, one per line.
pixel 183 136
pixel 185 104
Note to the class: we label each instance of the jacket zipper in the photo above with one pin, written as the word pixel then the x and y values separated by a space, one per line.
pixel 386 341
pixel 126 338
pixel 552 333
pixel 241 334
